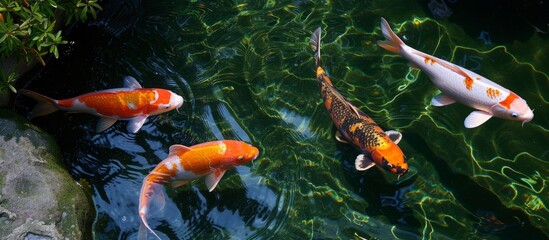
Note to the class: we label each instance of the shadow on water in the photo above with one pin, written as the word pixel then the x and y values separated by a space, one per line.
pixel 515 19
pixel 492 217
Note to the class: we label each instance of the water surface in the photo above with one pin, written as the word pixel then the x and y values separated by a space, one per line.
pixel 247 73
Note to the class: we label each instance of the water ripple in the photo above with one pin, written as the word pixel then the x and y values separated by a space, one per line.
pixel 246 72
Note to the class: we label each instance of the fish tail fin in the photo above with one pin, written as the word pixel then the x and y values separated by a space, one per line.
pixel 315 44
pixel 392 42
pixel 144 228
pixel 148 192
pixel 45 104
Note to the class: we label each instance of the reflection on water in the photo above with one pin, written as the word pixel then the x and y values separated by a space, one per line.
pixel 246 72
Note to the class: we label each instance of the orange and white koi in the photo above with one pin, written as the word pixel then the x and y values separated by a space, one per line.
pixel 210 159
pixel 355 127
pixel 458 84
pixel 132 102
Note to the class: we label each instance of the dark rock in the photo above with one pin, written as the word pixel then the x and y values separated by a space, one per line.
pixel 38 197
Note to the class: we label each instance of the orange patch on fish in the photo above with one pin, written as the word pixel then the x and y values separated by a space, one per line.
pixel 429 61
pixel 128 104
pixel 468 83
pixel 163 96
pixel 328 102
pixel 67 103
pixel 321 75
pixel 354 127
pixel 201 160
pixel 509 100
pixel 492 93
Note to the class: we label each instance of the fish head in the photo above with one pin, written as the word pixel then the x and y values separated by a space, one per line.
pixel 391 159
pixel 515 109
pixel 166 101
pixel 239 153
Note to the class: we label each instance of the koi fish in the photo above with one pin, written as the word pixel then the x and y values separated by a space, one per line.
pixel 458 84
pixel 378 147
pixel 210 159
pixel 132 102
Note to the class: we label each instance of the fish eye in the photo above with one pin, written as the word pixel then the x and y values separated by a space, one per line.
pixel 514 115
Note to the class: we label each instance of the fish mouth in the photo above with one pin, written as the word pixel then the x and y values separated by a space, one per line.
pixel 179 105
pixel 256 154
pixel 404 172
pixel 529 117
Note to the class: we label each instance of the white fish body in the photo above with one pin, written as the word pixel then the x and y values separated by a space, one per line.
pixel 458 84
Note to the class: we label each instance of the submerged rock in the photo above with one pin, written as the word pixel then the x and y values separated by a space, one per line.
pixel 38 197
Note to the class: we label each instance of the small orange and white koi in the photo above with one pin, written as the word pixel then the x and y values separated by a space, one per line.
pixel 210 159
pixel 132 102
pixel 458 84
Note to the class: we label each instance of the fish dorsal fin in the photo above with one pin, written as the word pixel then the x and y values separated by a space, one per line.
pixel 394 136
pixel 450 66
pixel 104 123
pixel 130 82
pixel 363 163
pixel 178 149
pixel 355 109
pixel 442 100
pixel 213 179
pixel 476 118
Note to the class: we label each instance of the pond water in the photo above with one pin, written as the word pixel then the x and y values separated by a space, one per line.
pixel 246 72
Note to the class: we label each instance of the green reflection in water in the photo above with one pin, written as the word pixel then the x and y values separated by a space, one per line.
pixel 251 72
pixel 246 69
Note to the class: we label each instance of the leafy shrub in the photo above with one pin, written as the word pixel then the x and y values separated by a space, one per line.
pixel 30 28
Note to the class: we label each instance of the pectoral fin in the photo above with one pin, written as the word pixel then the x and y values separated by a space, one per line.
pixel 363 163
pixel 476 118
pixel 179 183
pixel 213 179
pixel 441 100
pixel 394 136
pixel 340 138
pixel 104 123
pixel 136 123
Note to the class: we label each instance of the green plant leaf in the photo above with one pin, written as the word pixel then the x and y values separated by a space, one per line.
pixel 52 3
pixel 92 11
pixel 31 30
pixel 94 4
pixel 12 88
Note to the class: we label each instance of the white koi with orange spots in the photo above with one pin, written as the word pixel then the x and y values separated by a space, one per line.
pixel 132 103
pixel 458 84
